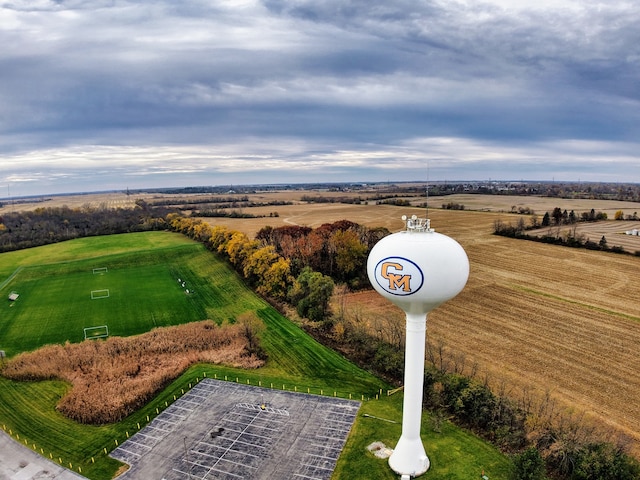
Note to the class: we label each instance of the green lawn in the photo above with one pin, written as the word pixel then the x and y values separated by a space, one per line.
pixel 454 454
pixel 56 304
pixel 55 284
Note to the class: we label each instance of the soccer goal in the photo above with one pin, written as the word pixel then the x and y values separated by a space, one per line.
pixel 99 294
pixel 96 332
pixel 100 270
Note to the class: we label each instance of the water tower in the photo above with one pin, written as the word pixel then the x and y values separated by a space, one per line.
pixel 417 269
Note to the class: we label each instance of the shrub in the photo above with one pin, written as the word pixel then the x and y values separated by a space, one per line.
pixel 604 461
pixel 528 465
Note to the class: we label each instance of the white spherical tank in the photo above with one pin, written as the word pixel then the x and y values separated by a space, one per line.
pixel 418 270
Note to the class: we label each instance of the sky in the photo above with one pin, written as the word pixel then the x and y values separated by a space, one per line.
pixel 102 95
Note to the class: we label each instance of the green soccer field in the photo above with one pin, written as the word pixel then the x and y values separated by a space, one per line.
pixel 138 291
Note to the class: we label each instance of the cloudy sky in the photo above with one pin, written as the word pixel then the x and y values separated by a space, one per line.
pixel 110 94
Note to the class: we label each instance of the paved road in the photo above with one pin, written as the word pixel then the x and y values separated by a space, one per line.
pixel 18 462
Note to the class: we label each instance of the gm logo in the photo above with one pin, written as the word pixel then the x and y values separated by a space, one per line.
pixel 399 276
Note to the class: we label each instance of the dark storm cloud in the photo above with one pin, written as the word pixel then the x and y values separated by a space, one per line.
pixel 165 92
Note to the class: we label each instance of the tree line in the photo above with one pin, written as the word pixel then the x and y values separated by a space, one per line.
pixel 561 217
pixel 291 264
pixel 338 250
pixel 557 218
pixel 45 225
pixel 568 238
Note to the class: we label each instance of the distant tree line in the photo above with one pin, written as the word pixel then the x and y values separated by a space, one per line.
pixel 452 206
pixel 398 202
pixel 561 217
pixel 619 215
pixel 198 200
pixel 225 212
pixel 199 206
pixel 558 218
pixel 629 192
pixel 45 225
pixel 567 238
pixel 325 199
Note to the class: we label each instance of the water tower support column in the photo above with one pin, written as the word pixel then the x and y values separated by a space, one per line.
pixel 409 457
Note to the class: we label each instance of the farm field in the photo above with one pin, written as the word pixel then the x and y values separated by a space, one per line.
pixel 28 408
pixel 534 317
pixel 614 232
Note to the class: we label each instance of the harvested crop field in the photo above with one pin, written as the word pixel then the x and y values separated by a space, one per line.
pixel 535 317
pixel 615 233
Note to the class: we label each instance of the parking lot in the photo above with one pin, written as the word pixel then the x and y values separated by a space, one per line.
pixel 224 430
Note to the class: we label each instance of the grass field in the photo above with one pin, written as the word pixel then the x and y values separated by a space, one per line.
pixel 55 284
pixel 139 291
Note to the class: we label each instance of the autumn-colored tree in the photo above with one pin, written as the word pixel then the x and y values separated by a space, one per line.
pixel 258 262
pixel 371 236
pixel 239 248
pixel 201 231
pixel 176 221
pixel 277 280
pixel 334 249
pixel 274 236
pixel 349 253
pixel 219 237
pixel 291 249
pixel 313 252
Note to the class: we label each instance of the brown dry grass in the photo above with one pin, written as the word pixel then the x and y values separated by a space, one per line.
pixel 110 379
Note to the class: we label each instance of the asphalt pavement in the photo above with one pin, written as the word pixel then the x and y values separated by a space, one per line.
pixel 18 462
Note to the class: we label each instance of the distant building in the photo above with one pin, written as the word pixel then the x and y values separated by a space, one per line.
pixel 13 296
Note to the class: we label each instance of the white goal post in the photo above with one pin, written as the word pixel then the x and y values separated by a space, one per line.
pixel 100 270
pixel 99 294
pixel 96 332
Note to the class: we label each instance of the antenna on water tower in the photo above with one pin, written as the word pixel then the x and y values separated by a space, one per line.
pixel 417 269
pixel 427 202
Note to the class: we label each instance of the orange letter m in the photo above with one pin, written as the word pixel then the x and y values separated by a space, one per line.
pixel 396 280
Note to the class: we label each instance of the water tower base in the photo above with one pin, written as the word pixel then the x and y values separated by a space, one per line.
pixel 409 458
